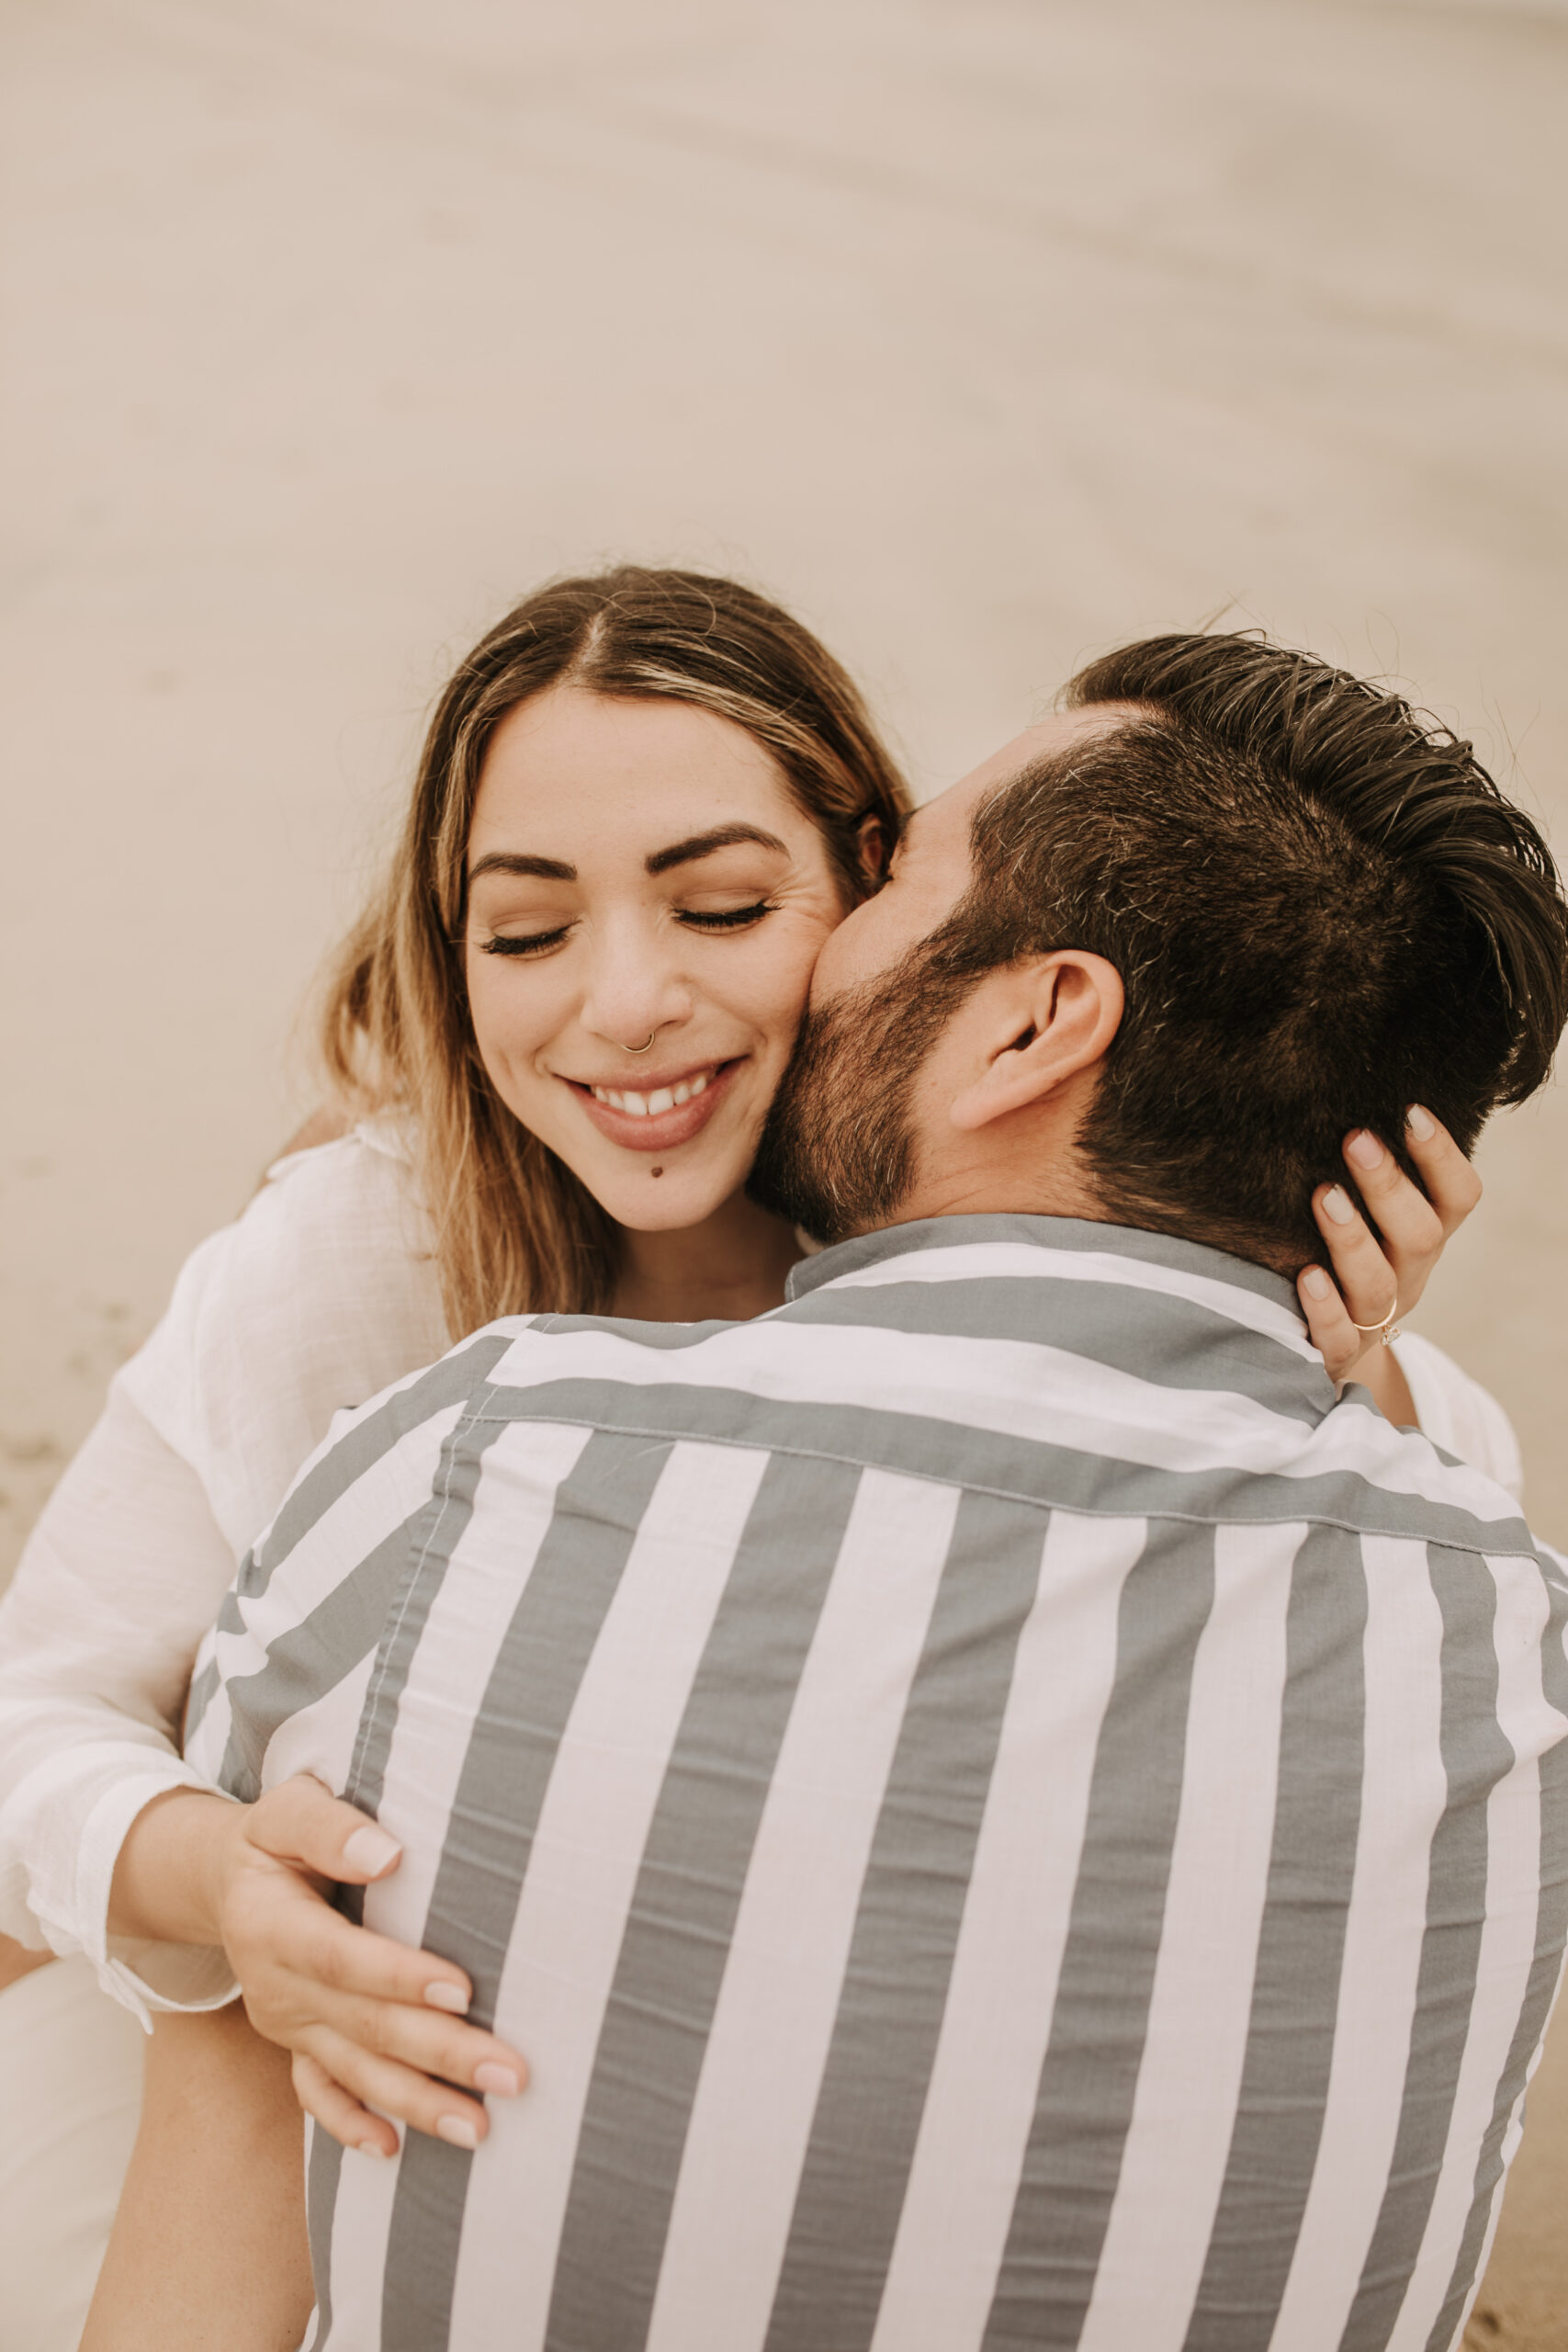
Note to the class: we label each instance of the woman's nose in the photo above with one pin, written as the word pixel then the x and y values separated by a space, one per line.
pixel 636 990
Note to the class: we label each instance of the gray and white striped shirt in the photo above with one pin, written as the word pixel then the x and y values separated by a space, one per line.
pixel 1001 1813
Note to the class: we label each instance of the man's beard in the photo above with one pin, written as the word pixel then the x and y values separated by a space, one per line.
pixel 839 1150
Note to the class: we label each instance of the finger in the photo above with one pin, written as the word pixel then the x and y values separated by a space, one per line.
pixel 400 2091
pixel 351 2125
pixel 1411 1229
pixel 1452 1185
pixel 1366 1280
pixel 1332 1332
pixel 314 1943
pixel 421 2039
pixel 301 1822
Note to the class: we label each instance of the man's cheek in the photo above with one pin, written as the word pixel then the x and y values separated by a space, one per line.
pixel 838 967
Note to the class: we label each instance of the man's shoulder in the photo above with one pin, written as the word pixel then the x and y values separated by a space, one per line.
pixel 1082 1376
pixel 395 1440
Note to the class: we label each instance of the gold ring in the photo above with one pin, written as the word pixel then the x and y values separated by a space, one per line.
pixel 640 1049
pixel 1366 1329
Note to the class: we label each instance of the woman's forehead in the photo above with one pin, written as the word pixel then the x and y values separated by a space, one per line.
pixel 604 770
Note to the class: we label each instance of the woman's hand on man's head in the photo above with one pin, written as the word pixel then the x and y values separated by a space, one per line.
pixel 375 2029
pixel 1374 1283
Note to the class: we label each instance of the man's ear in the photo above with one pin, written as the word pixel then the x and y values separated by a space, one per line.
pixel 1044 1021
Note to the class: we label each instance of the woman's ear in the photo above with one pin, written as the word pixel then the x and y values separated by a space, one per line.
pixel 1048 1020
pixel 871 848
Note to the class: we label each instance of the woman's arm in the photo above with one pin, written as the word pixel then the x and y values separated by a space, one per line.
pixel 117 1584
pixel 179 1895
pixel 1382 1375
pixel 208 2244
pixel 365 2020
pixel 110 1843
pixel 319 1296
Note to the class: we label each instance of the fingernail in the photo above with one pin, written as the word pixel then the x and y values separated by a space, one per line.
pixel 1336 1204
pixel 503 2080
pixel 1421 1124
pixel 371 2148
pixel 450 1998
pixel 1315 1282
pixel 1364 1150
pixel 459 2132
pixel 370 1849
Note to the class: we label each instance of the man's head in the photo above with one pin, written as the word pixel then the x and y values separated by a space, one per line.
pixel 1151 963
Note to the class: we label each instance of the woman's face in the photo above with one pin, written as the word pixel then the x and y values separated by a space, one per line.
pixel 639 870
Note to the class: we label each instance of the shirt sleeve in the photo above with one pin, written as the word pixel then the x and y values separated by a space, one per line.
pixel 1459 1415
pixel 316 1300
pixel 282 1679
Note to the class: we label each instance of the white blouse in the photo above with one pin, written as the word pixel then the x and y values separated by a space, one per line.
pixel 323 1292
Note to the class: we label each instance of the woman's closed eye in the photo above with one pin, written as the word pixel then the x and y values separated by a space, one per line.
pixel 525 943
pixel 539 942
pixel 727 919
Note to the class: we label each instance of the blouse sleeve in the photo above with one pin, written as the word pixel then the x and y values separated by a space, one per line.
pixel 319 1297
pixel 98 1633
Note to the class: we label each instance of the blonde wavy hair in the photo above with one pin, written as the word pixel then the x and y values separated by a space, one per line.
pixel 514 1230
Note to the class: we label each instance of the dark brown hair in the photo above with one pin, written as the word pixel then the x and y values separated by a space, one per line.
pixel 515 1230
pixel 1323 911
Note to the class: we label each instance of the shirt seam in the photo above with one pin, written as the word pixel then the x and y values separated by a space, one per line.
pixel 376 1688
pixel 1510 1550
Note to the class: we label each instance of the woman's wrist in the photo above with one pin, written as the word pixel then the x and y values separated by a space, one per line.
pixel 1380 1373
pixel 171 1874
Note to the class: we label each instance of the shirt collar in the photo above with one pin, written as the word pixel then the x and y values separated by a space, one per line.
pixel 1165 1301
pixel 895 1241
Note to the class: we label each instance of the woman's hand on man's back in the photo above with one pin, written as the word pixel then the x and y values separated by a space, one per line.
pixel 374 2027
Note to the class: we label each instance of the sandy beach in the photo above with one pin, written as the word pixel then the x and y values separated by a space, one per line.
pixel 984 335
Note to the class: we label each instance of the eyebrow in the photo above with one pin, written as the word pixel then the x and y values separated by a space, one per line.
pixel 703 845
pixel 555 869
pixel 543 870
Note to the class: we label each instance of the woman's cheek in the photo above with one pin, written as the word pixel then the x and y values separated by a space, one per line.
pixel 484 1014
pixel 507 1024
pixel 783 981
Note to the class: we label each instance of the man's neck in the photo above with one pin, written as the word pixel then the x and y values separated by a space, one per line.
pixel 1061 1192
pixel 971 1190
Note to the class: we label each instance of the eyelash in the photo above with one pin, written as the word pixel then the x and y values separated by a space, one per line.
pixel 737 919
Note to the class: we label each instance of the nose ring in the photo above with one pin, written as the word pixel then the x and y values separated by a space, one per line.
pixel 641 1049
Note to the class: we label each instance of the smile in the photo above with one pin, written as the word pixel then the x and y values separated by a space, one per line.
pixel 663 1098
pixel 660 1117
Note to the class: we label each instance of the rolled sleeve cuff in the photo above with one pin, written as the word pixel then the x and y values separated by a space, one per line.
pixel 144 1977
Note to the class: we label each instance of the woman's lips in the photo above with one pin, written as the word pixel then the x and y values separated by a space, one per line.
pixel 665 1129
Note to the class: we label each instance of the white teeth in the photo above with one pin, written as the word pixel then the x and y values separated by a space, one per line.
pixel 648 1106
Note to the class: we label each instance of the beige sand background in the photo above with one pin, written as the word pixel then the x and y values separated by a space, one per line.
pixel 983 331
